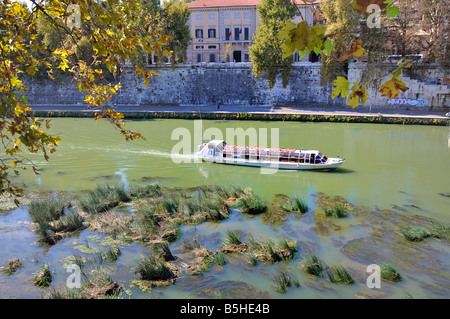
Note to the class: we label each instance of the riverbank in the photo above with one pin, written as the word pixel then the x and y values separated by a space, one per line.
pixel 259 113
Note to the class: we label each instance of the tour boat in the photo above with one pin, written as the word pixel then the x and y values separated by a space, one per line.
pixel 218 151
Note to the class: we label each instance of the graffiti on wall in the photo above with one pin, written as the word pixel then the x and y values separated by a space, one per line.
pixel 413 102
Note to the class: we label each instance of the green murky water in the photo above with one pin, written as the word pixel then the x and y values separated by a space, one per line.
pixel 401 168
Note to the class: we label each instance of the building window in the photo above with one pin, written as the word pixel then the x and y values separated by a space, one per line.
pixel 246 15
pixel 199 58
pixel 199 33
pixel 237 15
pixel 212 58
pixel 211 33
pixel 198 16
pixel 247 58
pixel 212 16
pixel 227 16
pixel 212 47
pixel 246 34
pixel 237 33
pixel 199 46
pixel 227 34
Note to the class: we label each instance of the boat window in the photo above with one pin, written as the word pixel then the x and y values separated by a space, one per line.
pixel 307 158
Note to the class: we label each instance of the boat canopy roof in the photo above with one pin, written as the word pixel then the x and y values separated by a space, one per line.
pixel 223 143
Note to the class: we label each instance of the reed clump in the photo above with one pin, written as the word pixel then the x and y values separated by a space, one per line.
pixel 47 208
pixel 251 204
pixel 273 251
pixel 283 280
pixel 150 268
pixel 295 204
pixel 312 265
pixel 338 211
pixel 389 273
pixel 338 274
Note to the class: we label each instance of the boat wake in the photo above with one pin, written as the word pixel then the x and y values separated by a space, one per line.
pixel 150 152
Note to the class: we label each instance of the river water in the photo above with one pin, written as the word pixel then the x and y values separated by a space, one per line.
pixel 386 166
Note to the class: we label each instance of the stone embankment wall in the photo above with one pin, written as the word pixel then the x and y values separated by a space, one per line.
pixel 234 84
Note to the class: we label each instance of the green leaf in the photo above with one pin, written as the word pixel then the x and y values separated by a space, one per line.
pixel 328 46
pixel 392 11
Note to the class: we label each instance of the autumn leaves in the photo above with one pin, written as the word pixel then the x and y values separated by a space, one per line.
pixel 305 39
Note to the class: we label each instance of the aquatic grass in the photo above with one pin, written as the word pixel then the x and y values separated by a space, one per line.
pixel 337 211
pixel 273 251
pixel 99 285
pixel 417 234
pixel 312 265
pixel 150 190
pixel 150 268
pixel 219 259
pixel 251 204
pixel 223 191
pixel 13 265
pixel 231 238
pixel 283 280
pixel 70 222
pixel 111 254
pixel 44 277
pixel 191 244
pixel 295 204
pixel 52 231
pixel 104 197
pixel 67 293
pixel 47 208
pixel 252 261
pixel 171 205
pixel 389 273
pixel 338 274
pixel 161 250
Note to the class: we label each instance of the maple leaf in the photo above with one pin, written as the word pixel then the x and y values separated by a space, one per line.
pixel 359 94
pixel 392 88
pixel 354 49
pixel 302 38
pixel 342 87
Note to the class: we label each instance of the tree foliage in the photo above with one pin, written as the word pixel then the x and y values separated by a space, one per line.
pixel 343 40
pixel 82 38
pixel 266 52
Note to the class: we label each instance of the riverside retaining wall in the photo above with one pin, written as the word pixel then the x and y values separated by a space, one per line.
pixel 234 84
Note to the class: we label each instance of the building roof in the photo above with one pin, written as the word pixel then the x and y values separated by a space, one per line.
pixel 232 3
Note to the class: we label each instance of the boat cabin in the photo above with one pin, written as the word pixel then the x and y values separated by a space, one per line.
pixel 219 148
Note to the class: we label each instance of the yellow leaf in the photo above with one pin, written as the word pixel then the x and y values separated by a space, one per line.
pixel 392 88
pixel 354 49
pixel 342 87
pixel 358 95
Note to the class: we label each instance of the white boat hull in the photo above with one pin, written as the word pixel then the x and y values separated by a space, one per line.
pixel 332 163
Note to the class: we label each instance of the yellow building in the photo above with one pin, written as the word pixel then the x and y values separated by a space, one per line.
pixel 220 26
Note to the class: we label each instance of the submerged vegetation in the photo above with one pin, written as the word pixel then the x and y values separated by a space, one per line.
pixel 13 266
pixel 434 230
pixel 152 216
